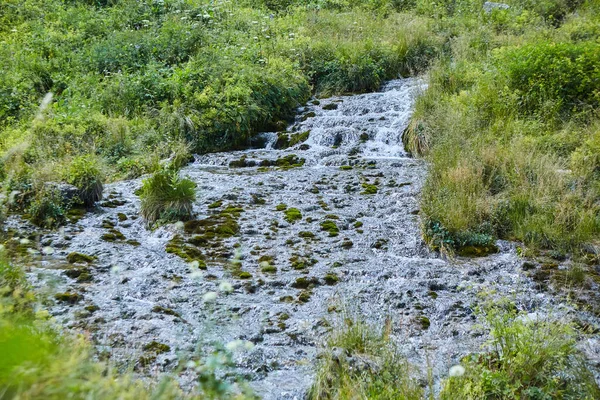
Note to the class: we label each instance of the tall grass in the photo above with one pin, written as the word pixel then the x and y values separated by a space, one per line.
pixel 362 362
pixel 165 197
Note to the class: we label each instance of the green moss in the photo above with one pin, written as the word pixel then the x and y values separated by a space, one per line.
pixel 80 258
pixel 369 189
pixel 156 347
pixel 330 227
pixel 304 283
pixel 68 297
pixel 306 235
pixel 286 299
pixel 132 242
pixel 216 204
pixel 358 224
pixel 281 207
pixel 346 167
pixel 122 217
pixel 244 275
pixel 292 215
pixel 331 278
pixel 330 106
pixel 92 308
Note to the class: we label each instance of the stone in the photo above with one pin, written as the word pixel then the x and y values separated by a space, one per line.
pixel 67 192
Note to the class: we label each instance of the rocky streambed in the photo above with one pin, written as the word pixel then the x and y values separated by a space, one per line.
pixel 322 221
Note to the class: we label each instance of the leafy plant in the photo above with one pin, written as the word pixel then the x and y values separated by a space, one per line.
pixel 85 173
pixel 165 197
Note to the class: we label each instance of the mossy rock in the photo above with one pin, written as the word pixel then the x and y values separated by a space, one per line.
pixel 358 224
pixel 331 278
pixel 346 167
pixel 156 347
pixel 268 269
pixel 306 235
pixel 477 251
pixel 292 215
pixel 122 217
pixel 216 204
pixel 369 189
pixel 166 311
pixel 308 115
pixel 330 106
pixel 330 227
pixel 281 207
pixel 304 296
pixel 423 322
pixel 80 258
pixel 304 283
pixel 347 244
pixel 68 297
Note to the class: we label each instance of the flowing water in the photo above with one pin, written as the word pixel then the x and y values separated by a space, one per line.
pixel 377 266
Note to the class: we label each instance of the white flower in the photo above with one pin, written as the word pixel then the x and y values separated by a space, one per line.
pixel 48 250
pixel 457 370
pixel 209 297
pixel 225 287
pixel 234 345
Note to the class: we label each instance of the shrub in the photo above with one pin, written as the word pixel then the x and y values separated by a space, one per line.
pixel 528 357
pixel 85 173
pixel 165 197
pixel 361 362
pixel 47 209
pixel 565 74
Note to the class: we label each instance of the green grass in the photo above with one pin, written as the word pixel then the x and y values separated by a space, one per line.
pixel 115 86
pixel 525 359
pixel 509 124
pixel 42 361
pixel 362 362
pixel 165 197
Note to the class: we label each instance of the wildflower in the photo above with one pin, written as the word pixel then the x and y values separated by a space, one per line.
pixel 225 287
pixel 457 370
pixel 209 297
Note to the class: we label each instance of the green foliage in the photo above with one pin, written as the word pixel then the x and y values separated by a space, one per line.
pixel 85 173
pixel 165 197
pixel 47 209
pixel 563 74
pixel 528 358
pixel 509 125
pixel 363 363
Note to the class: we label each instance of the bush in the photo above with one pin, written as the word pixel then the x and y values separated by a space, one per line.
pixel 528 358
pixel 378 371
pixel 47 209
pixel 564 74
pixel 165 197
pixel 85 173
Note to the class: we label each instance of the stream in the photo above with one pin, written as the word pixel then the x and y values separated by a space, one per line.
pixel 354 174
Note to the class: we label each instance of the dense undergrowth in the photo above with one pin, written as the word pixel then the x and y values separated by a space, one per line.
pixel 126 83
pixel 510 125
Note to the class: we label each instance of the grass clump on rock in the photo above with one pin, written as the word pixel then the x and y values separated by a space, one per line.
pixel 85 173
pixel 166 197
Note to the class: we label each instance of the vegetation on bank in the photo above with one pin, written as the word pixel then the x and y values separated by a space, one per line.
pixel 510 126
pixel 528 356
pixel 116 86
